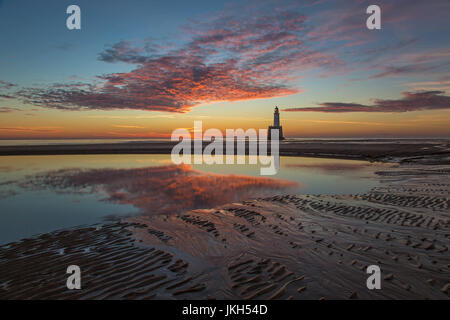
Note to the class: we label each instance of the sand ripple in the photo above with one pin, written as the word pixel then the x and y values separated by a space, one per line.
pixel 282 247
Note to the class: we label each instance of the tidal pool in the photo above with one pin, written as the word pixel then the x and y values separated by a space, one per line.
pixel 44 193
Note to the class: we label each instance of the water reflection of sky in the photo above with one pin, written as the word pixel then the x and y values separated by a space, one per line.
pixel 44 193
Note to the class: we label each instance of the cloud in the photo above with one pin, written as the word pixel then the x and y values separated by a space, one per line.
pixel 227 58
pixel 6 85
pixel 442 84
pixel 128 126
pixel 346 20
pixel 358 123
pixel 411 101
pixel 401 70
pixel 342 30
pixel 31 129
pixel 7 109
pixel 253 51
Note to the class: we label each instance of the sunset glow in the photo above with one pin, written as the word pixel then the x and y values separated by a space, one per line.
pixel 143 71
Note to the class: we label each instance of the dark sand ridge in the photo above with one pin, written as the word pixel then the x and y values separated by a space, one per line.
pixel 281 247
pixel 348 149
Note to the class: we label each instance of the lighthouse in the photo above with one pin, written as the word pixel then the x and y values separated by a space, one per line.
pixel 276 125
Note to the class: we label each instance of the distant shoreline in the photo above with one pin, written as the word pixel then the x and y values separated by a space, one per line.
pixel 372 150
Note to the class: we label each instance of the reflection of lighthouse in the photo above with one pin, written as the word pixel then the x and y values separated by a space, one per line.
pixel 276 124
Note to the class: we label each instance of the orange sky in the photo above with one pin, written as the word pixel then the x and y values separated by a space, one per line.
pixel 52 124
pixel 225 63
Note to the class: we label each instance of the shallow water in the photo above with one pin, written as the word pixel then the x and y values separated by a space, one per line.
pixel 44 193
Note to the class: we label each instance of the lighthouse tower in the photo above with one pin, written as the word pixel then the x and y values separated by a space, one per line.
pixel 276 125
pixel 276 118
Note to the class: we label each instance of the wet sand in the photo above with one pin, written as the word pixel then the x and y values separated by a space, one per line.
pixel 280 247
pixel 381 149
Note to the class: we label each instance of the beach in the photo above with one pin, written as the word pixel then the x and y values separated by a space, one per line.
pixel 290 246
pixel 220 155
pixel 369 149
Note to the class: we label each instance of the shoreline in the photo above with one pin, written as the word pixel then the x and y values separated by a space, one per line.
pixel 379 150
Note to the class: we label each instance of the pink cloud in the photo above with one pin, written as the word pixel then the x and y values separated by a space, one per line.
pixel 254 51
pixel 225 60
pixel 411 101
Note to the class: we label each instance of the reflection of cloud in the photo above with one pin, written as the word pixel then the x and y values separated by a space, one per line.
pixel 330 166
pixel 164 189
pixel 411 101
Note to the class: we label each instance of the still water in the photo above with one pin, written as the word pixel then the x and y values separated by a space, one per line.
pixel 44 193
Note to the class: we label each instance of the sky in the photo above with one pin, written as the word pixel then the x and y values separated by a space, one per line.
pixel 140 69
